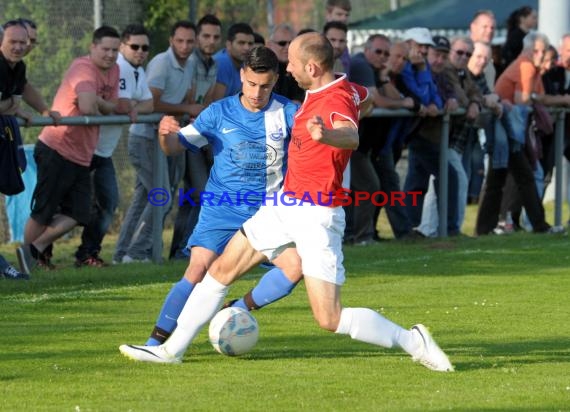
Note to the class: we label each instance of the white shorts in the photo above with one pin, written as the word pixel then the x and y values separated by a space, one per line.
pixel 316 232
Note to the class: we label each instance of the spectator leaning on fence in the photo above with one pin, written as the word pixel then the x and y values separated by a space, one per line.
pixel 462 131
pixel 512 201
pixel 62 197
pixel 31 95
pixel 134 98
pixel 474 164
pixel 370 69
pixel 198 163
pixel 424 145
pixel 12 68
pixel 169 78
pixel 438 58
pixel 518 87
pixel 14 85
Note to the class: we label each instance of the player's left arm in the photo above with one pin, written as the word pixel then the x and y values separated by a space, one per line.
pixel 343 134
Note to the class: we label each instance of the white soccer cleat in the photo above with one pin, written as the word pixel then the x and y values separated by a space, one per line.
pixel 155 354
pixel 430 355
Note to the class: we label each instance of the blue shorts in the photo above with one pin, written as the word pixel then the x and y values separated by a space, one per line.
pixel 217 225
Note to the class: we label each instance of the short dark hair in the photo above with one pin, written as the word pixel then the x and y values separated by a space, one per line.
pixel 373 37
pixel 306 30
pixel 258 38
pixel 186 24
pixel 261 59
pixel 335 25
pixel 133 30
pixel 104 31
pixel 29 22
pixel 343 4
pixel 237 28
pixel 207 19
pixel 15 22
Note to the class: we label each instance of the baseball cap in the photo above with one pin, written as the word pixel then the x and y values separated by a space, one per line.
pixel 441 43
pixel 420 35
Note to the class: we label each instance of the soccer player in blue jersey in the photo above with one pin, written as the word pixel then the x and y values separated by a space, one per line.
pixel 249 133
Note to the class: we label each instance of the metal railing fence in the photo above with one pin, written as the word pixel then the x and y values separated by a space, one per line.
pixel 559 114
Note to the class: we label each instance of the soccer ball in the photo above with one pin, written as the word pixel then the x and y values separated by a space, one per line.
pixel 233 331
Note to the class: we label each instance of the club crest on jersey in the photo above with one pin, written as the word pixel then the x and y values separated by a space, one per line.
pixel 276 135
pixel 253 156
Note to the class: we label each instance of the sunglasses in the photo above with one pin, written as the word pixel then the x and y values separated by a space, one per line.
pixel 282 43
pixel 463 52
pixel 136 47
pixel 386 53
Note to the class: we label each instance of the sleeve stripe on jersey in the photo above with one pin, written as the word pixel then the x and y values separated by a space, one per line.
pixel 191 138
pixel 333 114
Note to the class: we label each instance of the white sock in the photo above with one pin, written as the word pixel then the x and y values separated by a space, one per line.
pixel 204 302
pixel 369 326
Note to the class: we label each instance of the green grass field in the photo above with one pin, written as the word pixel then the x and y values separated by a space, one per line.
pixel 499 306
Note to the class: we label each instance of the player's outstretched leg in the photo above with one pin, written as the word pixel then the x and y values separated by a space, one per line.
pixel 369 326
pixel 202 305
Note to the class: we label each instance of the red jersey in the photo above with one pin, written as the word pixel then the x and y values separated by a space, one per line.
pixel 315 170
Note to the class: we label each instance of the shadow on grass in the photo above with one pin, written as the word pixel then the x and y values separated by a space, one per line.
pixel 511 354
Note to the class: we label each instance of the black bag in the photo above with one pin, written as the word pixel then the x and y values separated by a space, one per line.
pixel 12 156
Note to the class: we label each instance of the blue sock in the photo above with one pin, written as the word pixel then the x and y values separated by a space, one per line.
pixel 273 286
pixel 171 308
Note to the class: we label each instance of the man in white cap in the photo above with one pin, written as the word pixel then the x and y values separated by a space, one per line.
pixel 417 73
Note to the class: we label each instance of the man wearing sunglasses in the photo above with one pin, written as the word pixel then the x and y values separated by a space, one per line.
pixel 134 98
pixel 370 69
pixel 279 40
pixel 427 59
pixel 449 63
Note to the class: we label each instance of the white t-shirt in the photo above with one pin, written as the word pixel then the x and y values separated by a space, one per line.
pixel 132 85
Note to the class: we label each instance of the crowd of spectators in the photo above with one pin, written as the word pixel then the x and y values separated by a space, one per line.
pixel 504 122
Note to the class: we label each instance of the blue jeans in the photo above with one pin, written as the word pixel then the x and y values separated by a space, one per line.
pixel 390 183
pixel 196 175
pixel 105 202
pixel 423 161
pixel 135 238
pixel 363 177
pixel 473 163
pixel 430 215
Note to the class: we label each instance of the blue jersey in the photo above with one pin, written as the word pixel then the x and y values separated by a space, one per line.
pixel 250 160
pixel 228 73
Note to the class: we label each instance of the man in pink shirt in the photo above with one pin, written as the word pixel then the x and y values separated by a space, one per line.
pixel 62 197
